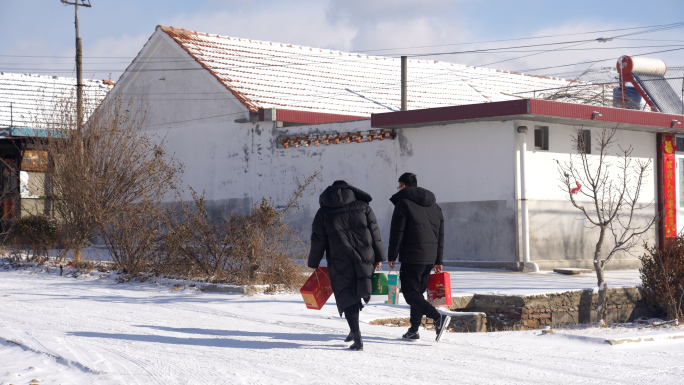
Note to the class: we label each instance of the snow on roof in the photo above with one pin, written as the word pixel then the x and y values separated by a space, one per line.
pixel 24 96
pixel 264 74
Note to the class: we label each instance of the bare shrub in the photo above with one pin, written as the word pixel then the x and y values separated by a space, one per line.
pixel 255 248
pixel 196 243
pixel 99 170
pixel 662 278
pixel 132 234
pixel 34 235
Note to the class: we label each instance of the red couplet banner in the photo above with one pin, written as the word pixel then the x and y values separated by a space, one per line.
pixel 668 189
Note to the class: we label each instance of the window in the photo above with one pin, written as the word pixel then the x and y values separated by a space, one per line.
pixel 679 142
pixel 584 141
pixel 541 138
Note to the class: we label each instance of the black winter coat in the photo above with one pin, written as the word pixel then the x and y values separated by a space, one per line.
pixel 417 230
pixel 346 230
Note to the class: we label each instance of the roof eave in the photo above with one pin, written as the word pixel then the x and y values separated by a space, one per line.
pixel 536 110
pixel 304 117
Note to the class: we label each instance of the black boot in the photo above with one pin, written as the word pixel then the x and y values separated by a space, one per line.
pixel 358 342
pixel 349 337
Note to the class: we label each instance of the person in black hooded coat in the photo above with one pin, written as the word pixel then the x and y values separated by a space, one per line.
pixel 345 229
pixel 417 238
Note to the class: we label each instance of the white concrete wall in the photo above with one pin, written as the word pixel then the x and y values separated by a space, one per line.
pixel 469 168
pixel 195 114
pixel 558 231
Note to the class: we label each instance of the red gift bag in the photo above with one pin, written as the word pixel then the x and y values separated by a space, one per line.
pixel 317 289
pixel 439 289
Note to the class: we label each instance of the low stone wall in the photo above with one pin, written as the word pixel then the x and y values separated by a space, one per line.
pixel 246 289
pixel 535 311
pixel 460 322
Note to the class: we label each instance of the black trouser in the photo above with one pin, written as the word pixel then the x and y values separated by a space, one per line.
pixel 414 281
pixel 351 313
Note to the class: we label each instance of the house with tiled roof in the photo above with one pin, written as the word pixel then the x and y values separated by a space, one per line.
pixel 247 118
pixel 28 103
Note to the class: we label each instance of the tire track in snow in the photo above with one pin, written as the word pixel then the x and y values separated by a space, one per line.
pixel 154 377
pixel 42 350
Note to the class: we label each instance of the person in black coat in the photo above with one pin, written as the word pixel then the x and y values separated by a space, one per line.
pixel 417 238
pixel 346 230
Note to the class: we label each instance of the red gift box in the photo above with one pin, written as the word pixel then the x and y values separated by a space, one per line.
pixel 317 289
pixel 439 289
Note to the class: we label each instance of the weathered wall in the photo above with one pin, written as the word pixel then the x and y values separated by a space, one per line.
pixel 476 204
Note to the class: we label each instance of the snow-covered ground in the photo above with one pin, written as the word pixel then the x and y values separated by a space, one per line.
pixel 93 330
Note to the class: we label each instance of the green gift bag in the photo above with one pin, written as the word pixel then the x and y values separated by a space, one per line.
pixel 393 287
pixel 379 282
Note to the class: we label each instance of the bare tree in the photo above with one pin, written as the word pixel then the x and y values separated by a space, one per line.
pixel 579 91
pixel 612 198
pixel 99 170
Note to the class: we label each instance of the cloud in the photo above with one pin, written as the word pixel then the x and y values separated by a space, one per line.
pixel 299 22
pixel 390 24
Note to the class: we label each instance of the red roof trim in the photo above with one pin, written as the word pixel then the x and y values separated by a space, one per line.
pixel 308 117
pixel 452 113
pixel 608 114
pixel 523 107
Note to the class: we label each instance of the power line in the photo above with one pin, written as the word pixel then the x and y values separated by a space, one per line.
pixel 415 47
pixel 231 67
pixel 524 38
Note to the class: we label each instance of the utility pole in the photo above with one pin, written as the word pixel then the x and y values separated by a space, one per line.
pixel 404 80
pixel 79 72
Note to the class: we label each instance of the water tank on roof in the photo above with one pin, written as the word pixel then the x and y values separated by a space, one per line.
pixel 634 100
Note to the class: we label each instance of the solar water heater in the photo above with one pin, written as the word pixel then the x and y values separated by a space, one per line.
pixel 648 77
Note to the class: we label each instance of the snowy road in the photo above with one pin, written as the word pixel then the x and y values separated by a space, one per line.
pixel 93 330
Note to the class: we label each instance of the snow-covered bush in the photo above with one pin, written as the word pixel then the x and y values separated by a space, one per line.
pixel 662 277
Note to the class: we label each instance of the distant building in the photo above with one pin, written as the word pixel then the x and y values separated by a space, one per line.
pixel 27 105
pixel 247 117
